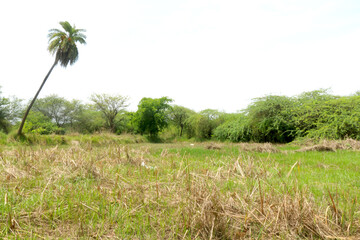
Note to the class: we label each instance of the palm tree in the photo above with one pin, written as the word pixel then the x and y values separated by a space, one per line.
pixel 62 44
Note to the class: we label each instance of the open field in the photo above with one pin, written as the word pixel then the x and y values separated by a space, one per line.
pixel 180 191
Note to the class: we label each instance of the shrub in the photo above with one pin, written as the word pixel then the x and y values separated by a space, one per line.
pixel 234 130
pixel 271 119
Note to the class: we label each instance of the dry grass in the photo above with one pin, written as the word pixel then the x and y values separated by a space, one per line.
pixel 333 145
pixel 258 147
pixel 213 146
pixel 107 193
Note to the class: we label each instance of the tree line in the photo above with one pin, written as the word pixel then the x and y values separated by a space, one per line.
pixel 279 119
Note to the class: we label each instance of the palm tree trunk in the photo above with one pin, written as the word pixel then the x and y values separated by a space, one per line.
pixel 32 102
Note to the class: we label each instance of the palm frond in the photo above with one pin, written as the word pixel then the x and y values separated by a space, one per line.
pixel 67 27
pixel 54 45
pixel 79 39
pixel 56 35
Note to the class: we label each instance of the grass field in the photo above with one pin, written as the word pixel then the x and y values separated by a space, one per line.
pixel 85 189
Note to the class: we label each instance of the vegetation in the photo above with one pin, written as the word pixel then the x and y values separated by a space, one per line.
pixel 3 113
pixel 63 46
pixel 278 119
pixel 96 187
pixel 180 118
pixel 89 170
pixel 110 107
pixel 151 115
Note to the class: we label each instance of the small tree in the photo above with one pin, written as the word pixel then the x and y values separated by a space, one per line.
pixel 151 115
pixel 63 46
pixel 110 106
pixel 179 115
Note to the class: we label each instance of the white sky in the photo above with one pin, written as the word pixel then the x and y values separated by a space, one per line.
pixel 201 53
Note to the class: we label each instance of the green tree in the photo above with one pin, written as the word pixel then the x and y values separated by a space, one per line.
pixel 334 118
pixel 72 112
pixel 88 120
pixel 271 119
pixel 179 116
pixel 235 129
pixel 15 109
pixel 62 44
pixel 308 108
pixel 4 113
pixel 151 117
pixel 52 107
pixel 125 123
pixel 61 111
pixel 205 122
pixel 110 106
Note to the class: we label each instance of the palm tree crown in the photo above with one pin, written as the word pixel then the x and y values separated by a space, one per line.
pixel 62 44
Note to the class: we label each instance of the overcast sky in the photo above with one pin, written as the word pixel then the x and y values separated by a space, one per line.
pixel 201 53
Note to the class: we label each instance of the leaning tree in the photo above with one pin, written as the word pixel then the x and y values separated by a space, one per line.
pixel 62 44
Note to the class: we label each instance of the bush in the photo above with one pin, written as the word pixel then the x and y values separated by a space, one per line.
pixel 337 119
pixel 271 119
pixel 3 138
pixel 235 130
pixel 203 124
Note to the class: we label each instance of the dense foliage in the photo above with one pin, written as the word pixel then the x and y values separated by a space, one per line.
pixel 316 114
pixel 151 117
pixel 3 113
pixel 279 119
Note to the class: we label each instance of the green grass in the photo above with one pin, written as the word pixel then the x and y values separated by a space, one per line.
pixel 103 188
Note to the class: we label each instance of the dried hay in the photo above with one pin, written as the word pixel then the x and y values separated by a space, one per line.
pixel 351 144
pixel 318 148
pixel 213 146
pixel 332 146
pixel 213 215
pixel 258 147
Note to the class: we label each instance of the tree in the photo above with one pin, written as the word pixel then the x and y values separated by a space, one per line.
pixel 52 107
pixel 4 112
pixel 271 119
pixel 179 115
pixel 331 118
pixel 88 120
pixel 309 107
pixel 110 106
pixel 235 129
pixel 15 109
pixel 125 123
pixel 205 122
pixel 151 115
pixel 61 111
pixel 62 44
